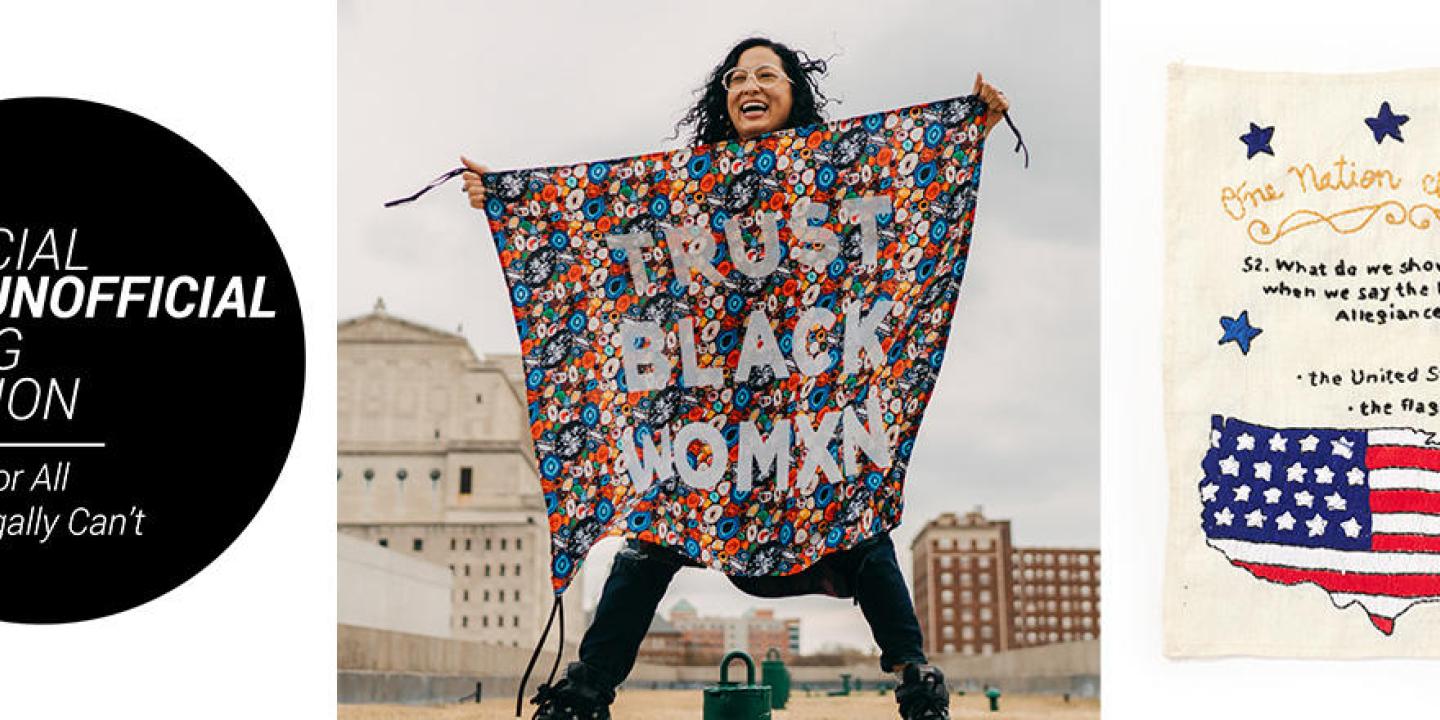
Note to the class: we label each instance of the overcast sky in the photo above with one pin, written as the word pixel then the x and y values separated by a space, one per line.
pixel 1014 421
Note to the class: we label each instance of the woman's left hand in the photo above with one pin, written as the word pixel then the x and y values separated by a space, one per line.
pixel 994 99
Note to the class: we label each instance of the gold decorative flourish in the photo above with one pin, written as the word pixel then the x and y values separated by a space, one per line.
pixel 1345 222
pixel 1342 222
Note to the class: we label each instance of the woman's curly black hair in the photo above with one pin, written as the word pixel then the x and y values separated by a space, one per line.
pixel 709 120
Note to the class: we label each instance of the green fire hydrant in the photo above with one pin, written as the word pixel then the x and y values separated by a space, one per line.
pixel 994 695
pixel 774 674
pixel 734 701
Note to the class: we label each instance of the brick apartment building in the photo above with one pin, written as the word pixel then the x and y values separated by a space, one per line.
pixel 976 593
pixel 688 638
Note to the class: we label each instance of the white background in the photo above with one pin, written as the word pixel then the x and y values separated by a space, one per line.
pixel 1139 38
pixel 253 85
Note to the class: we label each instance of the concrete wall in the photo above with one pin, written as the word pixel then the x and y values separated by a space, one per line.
pixel 378 666
pixel 391 591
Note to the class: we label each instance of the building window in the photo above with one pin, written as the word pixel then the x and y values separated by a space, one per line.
pixel 467 570
pixel 517 547
pixel 466 598
pixel 517 596
pixel 418 545
pixel 502 595
pixel 384 542
pixel 464 621
pixel 466 482
pixel 487 570
pixel 515 621
pixel 401 474
pixel 502 570
pixel 467 544
pixel 484 621
pixel 499 621
pixel 502 543
pixel 948 632
pixel 452 543
pixel 487 544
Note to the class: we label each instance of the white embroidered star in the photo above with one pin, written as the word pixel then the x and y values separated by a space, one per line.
pixel 1309 443
pixel 1277 443
pixel 1286 521
pixel 1317 525
pixel 1230 466
pixel 1272 496
pixel 1224 517
pixel 1262 471
pixel 1333 501
pixel 1242 493
pixel 1245 441
pixel 1344 447
pixel 1295 473
pixel 1255 518
pixel 1324 475
pixel 1207 492
pixel 1214 438
pixel 1351 528
pixel 1304 499
pixel 1356 476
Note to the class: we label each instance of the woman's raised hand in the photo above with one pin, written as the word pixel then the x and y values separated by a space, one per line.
pixel 993 98
pixel 473 187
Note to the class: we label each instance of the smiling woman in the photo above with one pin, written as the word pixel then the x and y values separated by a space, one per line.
pixel 761 86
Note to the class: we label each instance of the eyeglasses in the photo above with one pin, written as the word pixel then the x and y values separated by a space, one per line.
pixel 765 76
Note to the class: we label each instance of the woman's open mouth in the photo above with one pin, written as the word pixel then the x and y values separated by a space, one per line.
pixel 753 109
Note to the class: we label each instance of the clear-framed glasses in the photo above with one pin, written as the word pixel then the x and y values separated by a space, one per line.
pixel 765 76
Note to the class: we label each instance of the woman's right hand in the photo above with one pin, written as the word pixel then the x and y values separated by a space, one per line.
pixel 473 187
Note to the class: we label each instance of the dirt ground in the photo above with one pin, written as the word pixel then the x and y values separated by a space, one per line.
pixel 686 705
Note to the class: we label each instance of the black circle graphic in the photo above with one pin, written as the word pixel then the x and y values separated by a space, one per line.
pixel 143 418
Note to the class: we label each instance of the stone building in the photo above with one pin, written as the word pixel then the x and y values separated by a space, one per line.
pixel 435 459
pixel 977 594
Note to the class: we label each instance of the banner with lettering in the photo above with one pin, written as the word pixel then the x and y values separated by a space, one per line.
pixel 1303 364
pixel 728 349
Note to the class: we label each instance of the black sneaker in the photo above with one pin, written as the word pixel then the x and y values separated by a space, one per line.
pixel 922 694
pixel 573 698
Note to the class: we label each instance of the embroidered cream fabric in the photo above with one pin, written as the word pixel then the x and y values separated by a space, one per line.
pixel 1302 351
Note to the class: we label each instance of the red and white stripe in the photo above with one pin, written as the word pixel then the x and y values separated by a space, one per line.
pixel 1404 491
pixel 1402 568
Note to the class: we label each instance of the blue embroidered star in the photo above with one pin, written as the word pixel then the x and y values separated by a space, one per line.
pixel 1258 141
pixel 1386 124
pixel 1239 331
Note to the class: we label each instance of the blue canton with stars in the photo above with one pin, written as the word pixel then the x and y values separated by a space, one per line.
pixel 1312 473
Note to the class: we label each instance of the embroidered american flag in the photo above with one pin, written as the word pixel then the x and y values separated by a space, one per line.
pixel 1356 512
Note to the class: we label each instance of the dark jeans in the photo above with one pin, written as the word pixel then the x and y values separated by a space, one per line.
pixel 642 572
